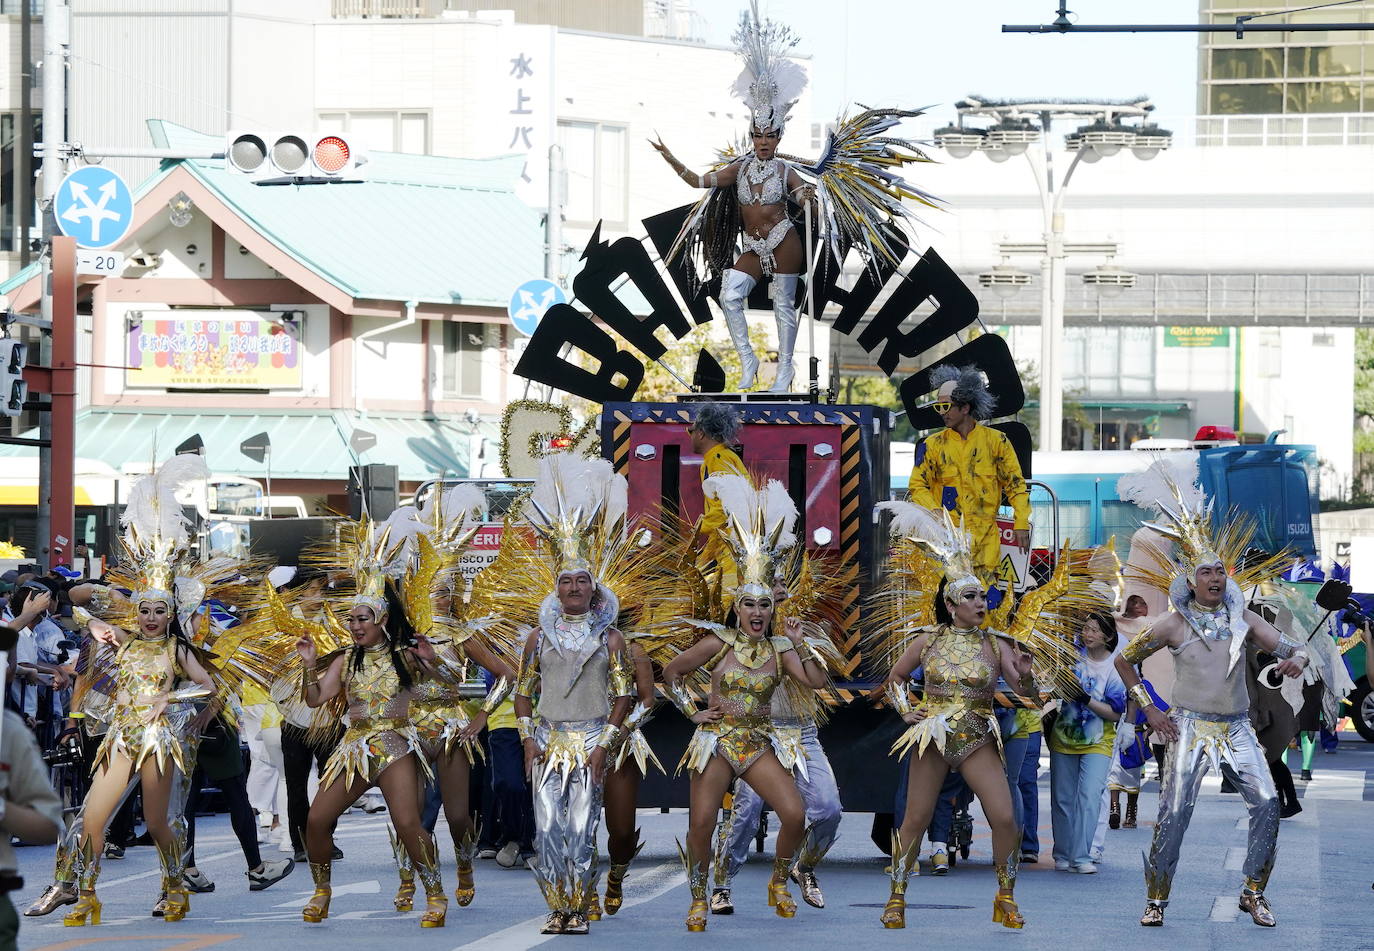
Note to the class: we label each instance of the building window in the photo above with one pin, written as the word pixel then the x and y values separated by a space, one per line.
pixel 595 155
pixel 464 346
pixel 1109 361
pixel 381 130
pixel 11 222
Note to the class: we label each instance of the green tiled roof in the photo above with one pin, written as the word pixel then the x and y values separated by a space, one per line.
pixel 308 444
pixel 420 227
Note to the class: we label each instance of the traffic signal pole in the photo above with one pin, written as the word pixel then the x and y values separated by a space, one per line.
pixel 56 25
pixel 62 490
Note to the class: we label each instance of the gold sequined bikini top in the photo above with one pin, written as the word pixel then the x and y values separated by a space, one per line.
pixel 958 664
pixel 375 689
pixel 745 680
pixel 145 668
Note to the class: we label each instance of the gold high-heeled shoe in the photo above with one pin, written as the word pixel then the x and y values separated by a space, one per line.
pixel 85 911
pixel 178 903
pixel 405 895
pixel 436 902
pixel 779 898
pixel 173 882
pixel 594 907
pixel 1005 912
pixel 696 881
pixel 903 861
pixel 87 907
pixel 317 909
pixel 405 892
pixel 696 915
pixel 615 880
pixel 467 886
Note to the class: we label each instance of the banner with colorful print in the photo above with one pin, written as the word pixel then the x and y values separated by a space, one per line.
pixel 216 353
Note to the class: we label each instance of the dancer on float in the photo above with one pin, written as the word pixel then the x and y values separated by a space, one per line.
pixel 749 193
pixel 156 671
pixel 575 675
pixel 747 665
pixel 1208 725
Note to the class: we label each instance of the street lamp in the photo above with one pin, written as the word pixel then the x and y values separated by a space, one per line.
pixel 1015 124
pixel 1004 280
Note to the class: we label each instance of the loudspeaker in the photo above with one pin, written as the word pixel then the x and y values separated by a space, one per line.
pixel 373 490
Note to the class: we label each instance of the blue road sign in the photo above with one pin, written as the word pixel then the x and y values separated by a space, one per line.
pixel 94 206
pixel 530 301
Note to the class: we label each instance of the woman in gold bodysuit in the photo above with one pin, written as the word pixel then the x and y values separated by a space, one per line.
pixel 734 736
pixel 447 734
pixel 142 739
pixel 379 748
pixel 953 727
pixel 149 719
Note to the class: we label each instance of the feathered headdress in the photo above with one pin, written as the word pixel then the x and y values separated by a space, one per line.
pixel 156 531
pixel 937 536
pixel 758 528
pixel 770 83
pixel 577 503
pixel 1170 488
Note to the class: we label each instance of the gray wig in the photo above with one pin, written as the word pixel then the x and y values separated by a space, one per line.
pixel 968 388
pixel 718 421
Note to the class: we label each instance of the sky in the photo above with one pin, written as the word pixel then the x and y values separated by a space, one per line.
pixel 917 53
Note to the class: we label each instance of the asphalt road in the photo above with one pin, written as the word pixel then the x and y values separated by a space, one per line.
pixel 1320 891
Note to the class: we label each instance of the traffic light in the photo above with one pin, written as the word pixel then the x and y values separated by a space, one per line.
pixel 13 390
pixel 293 158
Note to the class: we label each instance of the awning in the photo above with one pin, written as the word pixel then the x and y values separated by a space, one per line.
pixel 1139 406
pixel 305 444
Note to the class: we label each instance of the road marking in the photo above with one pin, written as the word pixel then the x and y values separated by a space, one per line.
pixel 185 942
pixel 1224 908
pixel 1235 859
pixel 372 887
pixel 657 881
pixel 1333 784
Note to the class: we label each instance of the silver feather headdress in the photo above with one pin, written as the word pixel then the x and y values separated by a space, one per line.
pixel 770 84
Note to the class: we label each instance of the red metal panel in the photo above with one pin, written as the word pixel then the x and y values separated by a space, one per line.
pixel 767 452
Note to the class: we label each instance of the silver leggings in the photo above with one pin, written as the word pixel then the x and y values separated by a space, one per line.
pixel 1229 744
pixel 567 814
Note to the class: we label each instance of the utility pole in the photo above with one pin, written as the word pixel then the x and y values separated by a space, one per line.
pixel 23 213
pixel 55 36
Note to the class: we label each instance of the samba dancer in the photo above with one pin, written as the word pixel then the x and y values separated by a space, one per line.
pixel 1208 725
pixel 734 736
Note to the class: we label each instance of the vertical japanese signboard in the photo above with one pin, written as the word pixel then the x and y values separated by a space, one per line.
pixel 523 93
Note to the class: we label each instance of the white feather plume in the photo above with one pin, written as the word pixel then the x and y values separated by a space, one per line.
pixel 742 503
pixel 584 484
pixel 1149 488
pixel 916 522
pixel 153 510
pixel 460 502
pixel 770 83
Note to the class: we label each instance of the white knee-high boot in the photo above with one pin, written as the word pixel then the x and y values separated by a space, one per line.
pixel 734 295
pixel 785 313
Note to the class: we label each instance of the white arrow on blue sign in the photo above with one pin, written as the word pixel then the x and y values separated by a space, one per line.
pixel 530 302
pixel 94 206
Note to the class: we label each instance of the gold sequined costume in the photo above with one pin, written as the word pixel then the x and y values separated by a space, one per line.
pixel 960 677
pixel 379 729
pixel 743 682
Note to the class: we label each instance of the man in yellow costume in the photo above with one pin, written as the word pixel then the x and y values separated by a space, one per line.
pixel 968 468
pixel 713 433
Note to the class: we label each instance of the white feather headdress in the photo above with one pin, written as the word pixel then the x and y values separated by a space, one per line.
pixel 156 531
pixel 577 504
pixel 937 535
pixel 759 525
pixel 770 84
